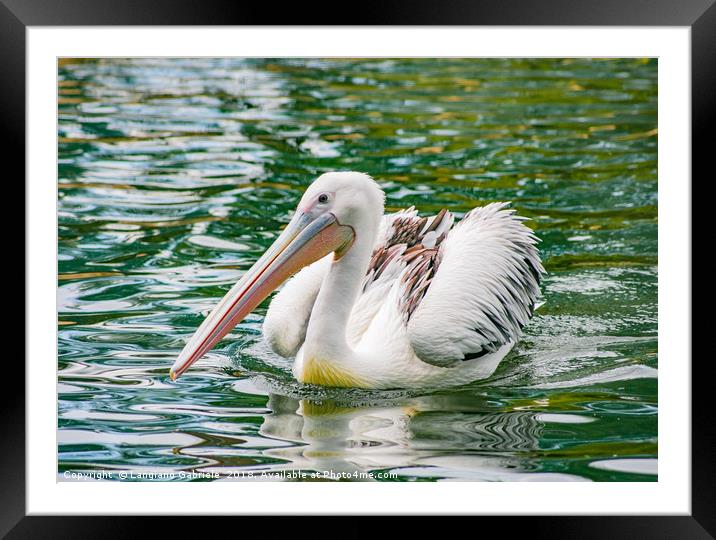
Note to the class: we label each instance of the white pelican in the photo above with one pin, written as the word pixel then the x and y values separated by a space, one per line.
pixel 394 301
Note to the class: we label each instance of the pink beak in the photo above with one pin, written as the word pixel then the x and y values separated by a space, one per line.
pixel 305 240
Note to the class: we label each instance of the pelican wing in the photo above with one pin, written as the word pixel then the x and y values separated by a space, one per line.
pixel 287 318
pixel 475 291
pixel 405 240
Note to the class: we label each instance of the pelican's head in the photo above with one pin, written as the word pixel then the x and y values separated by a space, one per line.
pixel 335 208
pixel 353 198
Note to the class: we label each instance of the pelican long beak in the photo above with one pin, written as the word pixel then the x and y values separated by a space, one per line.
pixel 304 241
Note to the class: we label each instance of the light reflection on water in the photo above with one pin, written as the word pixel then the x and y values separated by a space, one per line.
pixel 175 175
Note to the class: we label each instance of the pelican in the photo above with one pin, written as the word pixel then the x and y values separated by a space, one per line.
pixel 385 301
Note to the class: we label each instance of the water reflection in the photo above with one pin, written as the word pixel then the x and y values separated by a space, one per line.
pixel 425 436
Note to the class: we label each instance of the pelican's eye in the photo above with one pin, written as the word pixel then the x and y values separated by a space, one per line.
pixel 323 198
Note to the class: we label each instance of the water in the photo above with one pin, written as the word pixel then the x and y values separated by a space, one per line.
pixel 175 175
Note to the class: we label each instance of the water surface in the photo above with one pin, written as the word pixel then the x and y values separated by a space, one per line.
pixel 176 174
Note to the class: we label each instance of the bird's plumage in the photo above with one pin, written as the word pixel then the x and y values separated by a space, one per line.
pixel 460 291
pixel 491 254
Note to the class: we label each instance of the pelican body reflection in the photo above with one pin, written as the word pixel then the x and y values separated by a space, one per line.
pixel 422 436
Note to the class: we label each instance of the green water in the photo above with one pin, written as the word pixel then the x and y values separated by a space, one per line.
pixel 175 175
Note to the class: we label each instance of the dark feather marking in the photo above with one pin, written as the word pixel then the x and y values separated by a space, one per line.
pixel 500 328
pixel 437 221
pixel 536 274
pixel 404 242
pixel 421 269
pixel 473 356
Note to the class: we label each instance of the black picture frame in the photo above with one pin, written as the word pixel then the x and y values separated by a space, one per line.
pixel 16 15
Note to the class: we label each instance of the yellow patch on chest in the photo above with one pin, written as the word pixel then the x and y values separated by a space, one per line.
pixel 324 373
